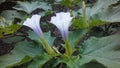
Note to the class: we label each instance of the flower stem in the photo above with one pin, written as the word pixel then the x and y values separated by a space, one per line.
pixel 47 46
pixel 68 49
pixel 84 14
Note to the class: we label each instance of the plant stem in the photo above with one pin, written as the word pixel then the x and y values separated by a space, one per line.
pixel 84 14
pixel 84 9
pixel 47 46
pixel 68 49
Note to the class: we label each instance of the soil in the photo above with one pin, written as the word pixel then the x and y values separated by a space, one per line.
pixel 5 48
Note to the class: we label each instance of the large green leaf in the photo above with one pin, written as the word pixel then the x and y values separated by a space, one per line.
pixel 22 53
pixel 103 10
pixel 111 14
pixel 76 36
pixel 76 62
pixel 72 62
pixel 39 61
pixel 29 7
pixel 93 64
pixel 10 15
pixel 13 39
pixel 105 50
pixel 7 19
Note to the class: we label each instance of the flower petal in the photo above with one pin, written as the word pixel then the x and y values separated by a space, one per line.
pixel 34 24
pixel 62 21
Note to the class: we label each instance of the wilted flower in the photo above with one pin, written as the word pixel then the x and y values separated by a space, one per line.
pixel 62 21
pixel 34 24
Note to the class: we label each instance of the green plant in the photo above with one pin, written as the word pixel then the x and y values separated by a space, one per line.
pixel 38 51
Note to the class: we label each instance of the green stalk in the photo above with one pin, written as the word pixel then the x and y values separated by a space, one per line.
pixel 47 46
pixel 68 49
pixel 84 14
pixel 84 9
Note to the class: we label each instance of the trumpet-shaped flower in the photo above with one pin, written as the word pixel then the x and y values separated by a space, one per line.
pixel 34 24
pixel 62 21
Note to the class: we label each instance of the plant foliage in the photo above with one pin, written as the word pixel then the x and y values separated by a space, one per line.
pixel 87 51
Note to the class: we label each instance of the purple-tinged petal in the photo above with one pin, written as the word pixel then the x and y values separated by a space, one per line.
pixel 34 24
pixel 62 21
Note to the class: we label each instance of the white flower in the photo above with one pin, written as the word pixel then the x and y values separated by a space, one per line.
pixel 34 24
pixel 62 21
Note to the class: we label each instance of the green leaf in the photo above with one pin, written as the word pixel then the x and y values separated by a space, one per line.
pixel 79 23
pixel 45 6
pixel 96 22
pixel 2 22
pixel 66 2
pixel 7 19
pixel 47 36
pixel 39 61
pixel 103 10
pixel 29 7
pixel 9 30
pixel 24 60
pixel 70 3
pixel 105 50
pixel 76 36
pixel 22 53
pixel 13 39
pixel 93 65
pixel 72 62
pixel 111 14
pixel 10 15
